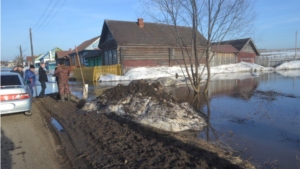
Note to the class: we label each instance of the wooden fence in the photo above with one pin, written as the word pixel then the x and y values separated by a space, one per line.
pixel 92 74
pixel 274 60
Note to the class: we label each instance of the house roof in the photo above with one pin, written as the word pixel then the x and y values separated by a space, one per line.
pixel 62 54
pixel 239 44
pixel 130 33
pixel 48 53
pixel 39 56
pixel 94 53
pixel 85 44
pixel 227 48
pixel 29 58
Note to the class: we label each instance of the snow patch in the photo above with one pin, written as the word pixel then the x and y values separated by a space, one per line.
pixel 173 117
pixel 171 72
pixel 289 65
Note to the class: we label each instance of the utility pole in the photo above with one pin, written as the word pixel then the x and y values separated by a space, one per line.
pixel 21 55
pixel 33 58
pixel 296 46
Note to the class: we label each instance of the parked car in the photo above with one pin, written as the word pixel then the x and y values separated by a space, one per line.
pixel 15 95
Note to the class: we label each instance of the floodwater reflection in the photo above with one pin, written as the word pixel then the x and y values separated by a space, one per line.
pixel 259 117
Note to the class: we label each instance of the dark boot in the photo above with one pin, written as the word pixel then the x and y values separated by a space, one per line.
pixel 58 96
pixel 69 97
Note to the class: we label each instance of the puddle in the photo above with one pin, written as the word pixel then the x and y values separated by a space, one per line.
pixel 56 124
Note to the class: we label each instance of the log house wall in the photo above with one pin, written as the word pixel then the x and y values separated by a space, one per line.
pixel 137 56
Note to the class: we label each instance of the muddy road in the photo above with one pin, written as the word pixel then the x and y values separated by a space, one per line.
pixel 26 142
pixel 99 140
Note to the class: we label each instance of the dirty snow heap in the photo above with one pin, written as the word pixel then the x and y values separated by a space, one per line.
pixel 147 103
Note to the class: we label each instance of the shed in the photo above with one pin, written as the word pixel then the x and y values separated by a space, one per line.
pixel 223 54
pixel 247 50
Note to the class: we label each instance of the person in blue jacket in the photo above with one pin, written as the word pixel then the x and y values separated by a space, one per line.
pixel 30 78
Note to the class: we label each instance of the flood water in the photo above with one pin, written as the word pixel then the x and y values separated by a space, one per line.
pixel 259 117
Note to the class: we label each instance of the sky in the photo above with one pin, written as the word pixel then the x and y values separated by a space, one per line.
pixel 68 23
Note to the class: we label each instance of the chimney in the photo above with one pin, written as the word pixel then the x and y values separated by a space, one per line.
pixel 70 49
pixel 141 22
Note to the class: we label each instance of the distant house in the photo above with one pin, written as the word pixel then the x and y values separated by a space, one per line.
pixel 63 56
pixel 134 44
pixel 87 49
pixel 29 60
pixel 48 58
pixel 247 50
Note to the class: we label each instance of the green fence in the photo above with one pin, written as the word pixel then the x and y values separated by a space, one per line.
pixel 92 74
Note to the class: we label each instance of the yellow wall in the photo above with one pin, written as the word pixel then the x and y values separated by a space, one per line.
pixel 92 74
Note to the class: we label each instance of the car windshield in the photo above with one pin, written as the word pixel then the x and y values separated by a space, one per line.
pixel 10 80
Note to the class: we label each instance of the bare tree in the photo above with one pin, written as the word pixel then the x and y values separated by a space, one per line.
pixel 214 19
pixel 19 59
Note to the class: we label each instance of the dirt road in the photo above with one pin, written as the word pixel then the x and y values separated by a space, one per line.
pixel 26 142
pixel 99 140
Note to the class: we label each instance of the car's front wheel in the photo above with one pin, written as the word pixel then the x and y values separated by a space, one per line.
pixel 28 113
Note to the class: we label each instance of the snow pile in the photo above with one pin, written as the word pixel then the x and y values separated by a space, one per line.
pixel 143 73
pixel 289 65
pixel 173 117
pixel 239 67
pixel 147 104
pixel 157 72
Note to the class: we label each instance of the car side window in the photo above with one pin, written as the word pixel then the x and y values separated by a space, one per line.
pixel 10 80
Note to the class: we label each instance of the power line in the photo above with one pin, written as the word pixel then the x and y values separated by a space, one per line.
pixel 26 40
pixel 53 15
pixel 47 16
pixel 42 14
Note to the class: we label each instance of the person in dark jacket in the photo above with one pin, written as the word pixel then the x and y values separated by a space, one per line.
pixel 20 71
pixel 30 78
pixel 43 79
pixel 15 68
pixel 57 82
pixel 63 73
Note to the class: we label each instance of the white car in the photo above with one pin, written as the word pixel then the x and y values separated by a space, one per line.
pixel 15 95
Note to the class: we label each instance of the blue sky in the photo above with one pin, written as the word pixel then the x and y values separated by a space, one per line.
pixel 66 23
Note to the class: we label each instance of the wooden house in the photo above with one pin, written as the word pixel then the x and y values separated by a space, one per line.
pixel 29 60
pixel 223 54
pixel 36 60
pixel 93 58
pixel 87 47
pixel 63 56
pixel 136 44
pixel 247 50
pixel 48 58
